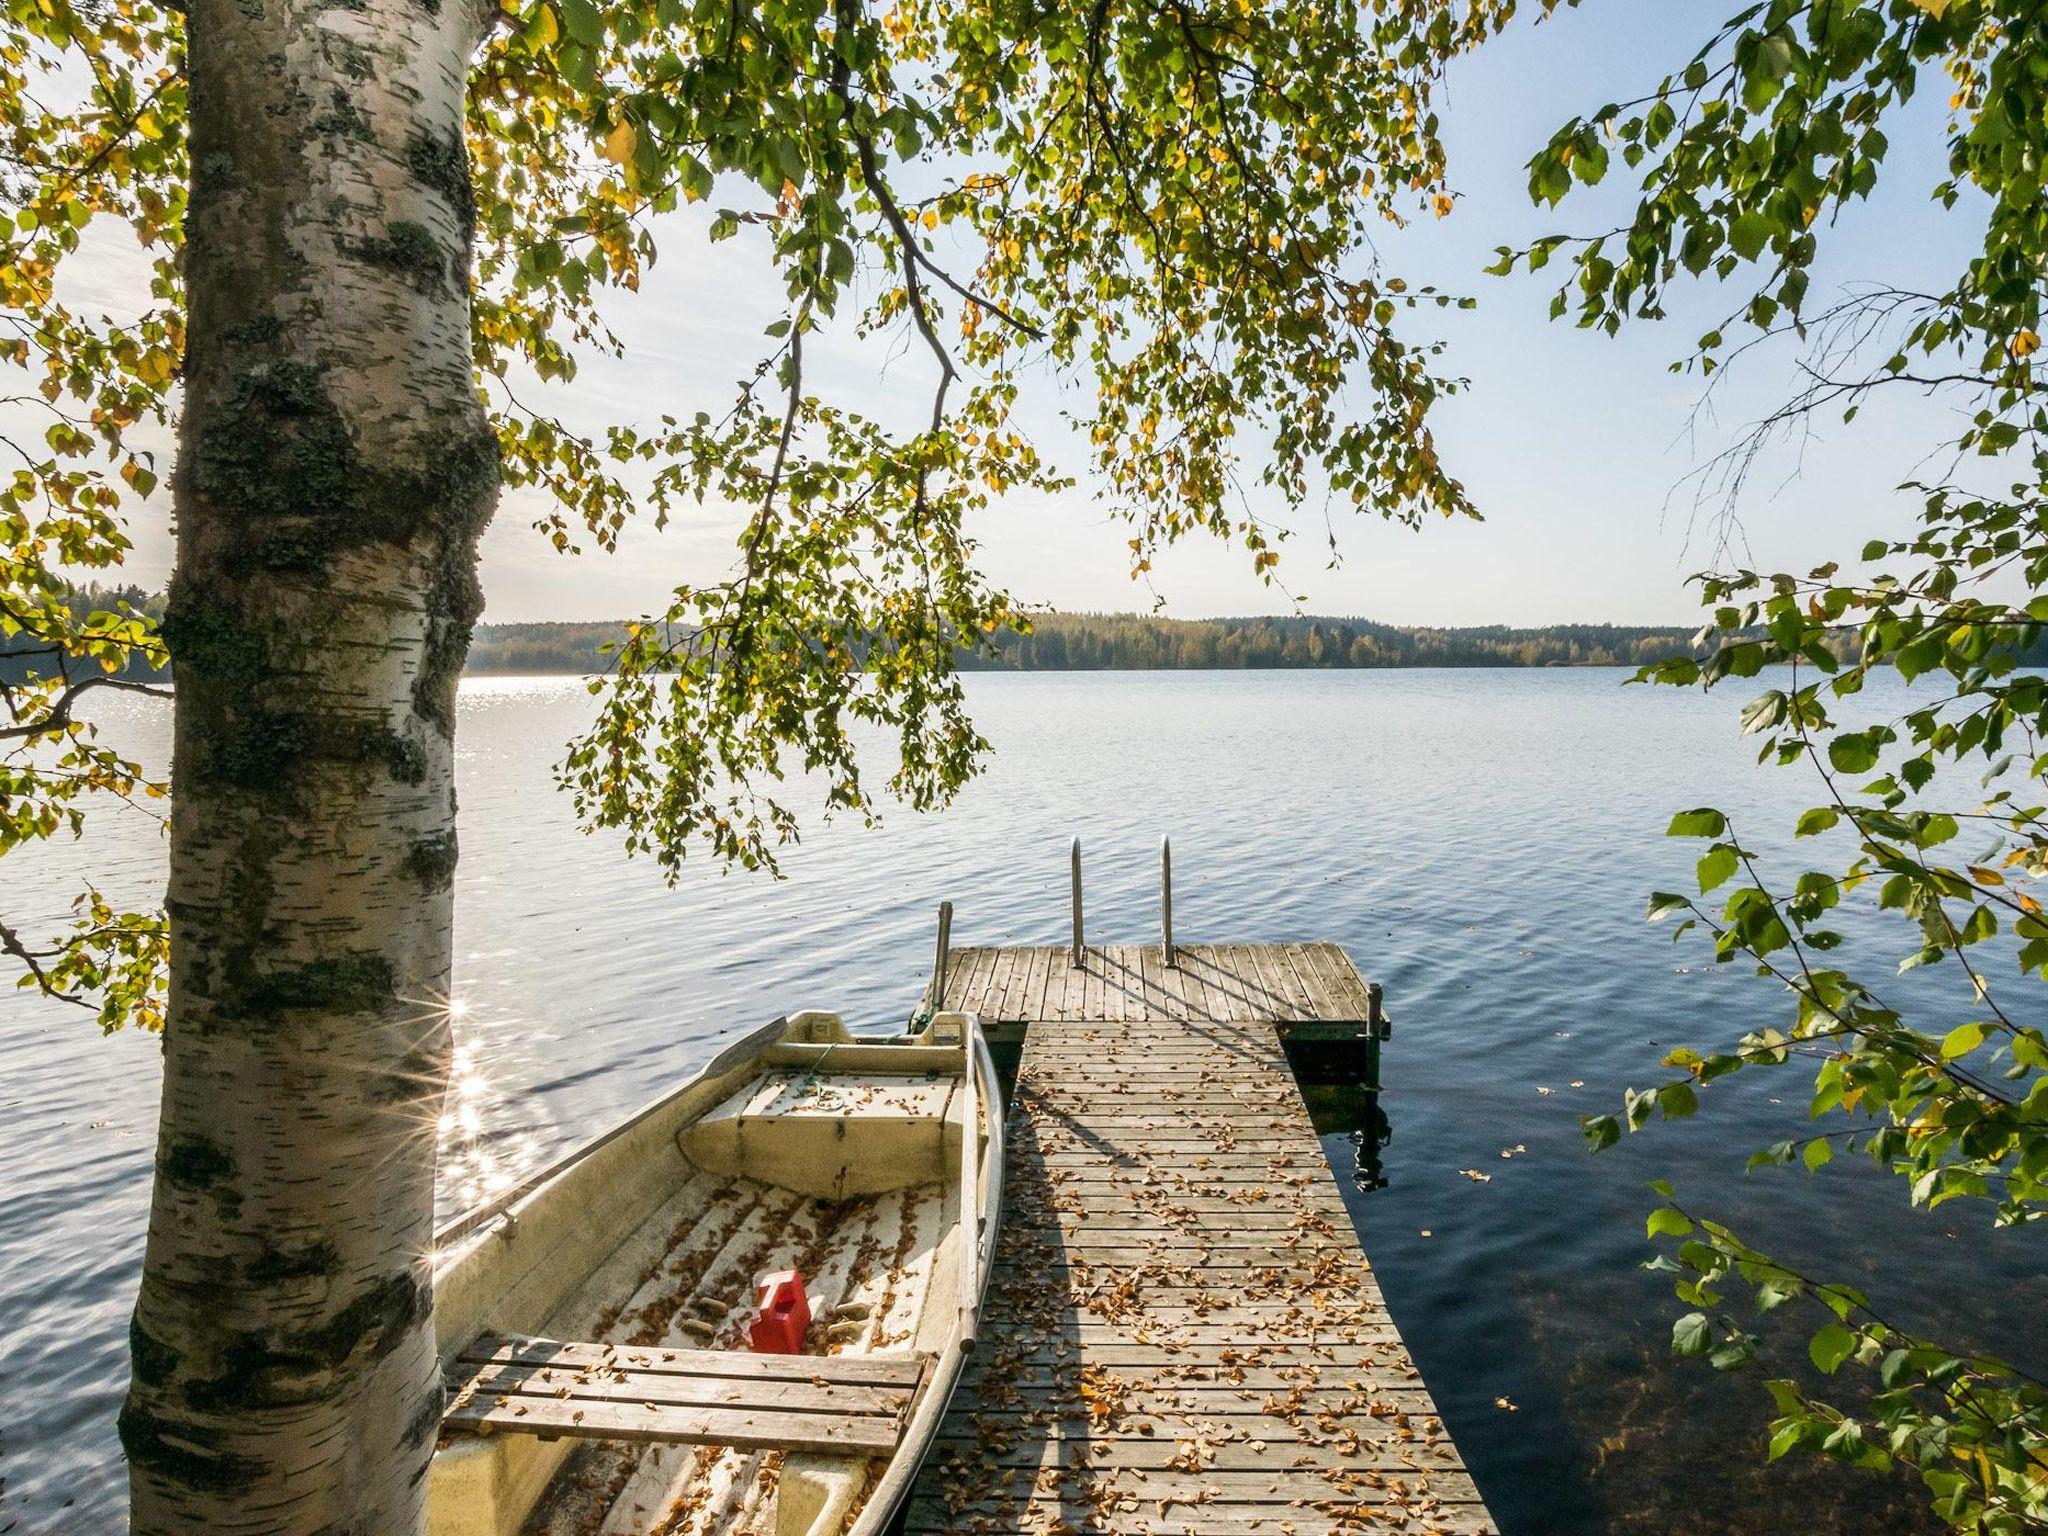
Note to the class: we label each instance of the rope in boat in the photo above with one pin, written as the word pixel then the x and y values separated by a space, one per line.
pixel 811 1073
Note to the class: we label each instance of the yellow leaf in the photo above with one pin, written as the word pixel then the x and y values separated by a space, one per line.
pixel 618 144
pixel 2026 344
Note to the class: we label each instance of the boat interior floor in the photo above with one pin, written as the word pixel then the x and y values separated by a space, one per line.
pixel 685 1281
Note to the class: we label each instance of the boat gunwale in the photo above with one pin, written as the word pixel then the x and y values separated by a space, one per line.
pixel 928 1409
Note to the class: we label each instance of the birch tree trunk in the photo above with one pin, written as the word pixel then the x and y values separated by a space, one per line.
pixel 335 471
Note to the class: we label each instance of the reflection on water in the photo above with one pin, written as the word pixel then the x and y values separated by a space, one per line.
pixel 1355 1132
pixel 1481 842
pixel 481 1155
pixel 1343 1101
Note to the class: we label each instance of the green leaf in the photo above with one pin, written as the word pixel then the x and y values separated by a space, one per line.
pixel 1692 1334
pixel 1716 866
pixel 1820 819
pixel 1962 1040
pixel 1785 1436
pixel 1749 234
pixel 694 177
pixel 1664 903
pixel 1854 752
pixel 1981 926
pixel 1896 1369
pixel 1831 1346
pixel 578 64
pixel 1677 1101
pixel 580 19
pixel 1700 823
pixel 1764 712
pixel 1666 1221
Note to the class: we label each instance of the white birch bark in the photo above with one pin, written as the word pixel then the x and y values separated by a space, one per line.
pixel 335 470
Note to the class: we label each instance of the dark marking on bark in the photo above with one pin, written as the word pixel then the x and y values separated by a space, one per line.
pixel 409 249
pixel 291 1368
pixel 257 332
pixel 423 1069
pixel 425 1424
pixel 278 460
pixel 355 983
pixel 406 758
pixel 195 1163
pixel 206 639
pixel 441 164
pixel 165 1451
pixel 255 748
pixel 343 119
pixel 350 56
pixel 213 175
pixel 431 860
pixel 466 491
pixel 153 1359
pixel 274 1264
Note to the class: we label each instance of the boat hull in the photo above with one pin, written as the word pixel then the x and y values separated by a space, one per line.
pixel 872 1167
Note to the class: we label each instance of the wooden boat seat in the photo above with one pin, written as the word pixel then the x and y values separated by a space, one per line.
pixel 839 1405
pixel 835 1135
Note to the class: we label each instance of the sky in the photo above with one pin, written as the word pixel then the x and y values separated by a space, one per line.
pixel 1575 446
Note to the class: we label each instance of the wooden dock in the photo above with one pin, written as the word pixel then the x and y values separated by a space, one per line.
pixel 1181 1335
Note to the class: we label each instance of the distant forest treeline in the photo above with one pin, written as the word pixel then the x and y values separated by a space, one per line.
pixel 1094 642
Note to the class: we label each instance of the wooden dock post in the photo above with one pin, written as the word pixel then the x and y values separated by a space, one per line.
pixel 945 949
pixel 1182 1336
pixel 1080 957
pixel 1166 899
pixel 1376 1030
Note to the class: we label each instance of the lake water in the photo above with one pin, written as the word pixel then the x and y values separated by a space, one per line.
pixel 1481 841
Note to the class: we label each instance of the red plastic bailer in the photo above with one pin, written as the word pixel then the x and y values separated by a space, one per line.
pixel 785 1314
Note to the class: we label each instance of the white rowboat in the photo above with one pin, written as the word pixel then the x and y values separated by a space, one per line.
pixel 594 1320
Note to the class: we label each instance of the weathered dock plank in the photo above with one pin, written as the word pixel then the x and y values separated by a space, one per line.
pixel 1182 1335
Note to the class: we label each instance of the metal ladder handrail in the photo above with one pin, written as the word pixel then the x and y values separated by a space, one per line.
pixel 1077 950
